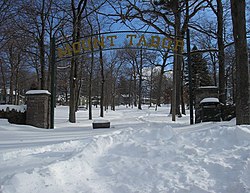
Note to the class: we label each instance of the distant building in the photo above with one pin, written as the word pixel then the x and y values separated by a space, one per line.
pixel 124 99
pixel 205 92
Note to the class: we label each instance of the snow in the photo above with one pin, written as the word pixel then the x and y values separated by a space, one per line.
pixel 142 152
pixel 31 92
pixel 208 87
pixel 210 100
pixel 18 108
pixel 101 121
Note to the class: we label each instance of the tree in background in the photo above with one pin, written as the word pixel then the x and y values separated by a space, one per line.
pixel 200 73
pixel 27 27
pixel 166 17
pixel 218 11
pixel 32 21
pixel 200 69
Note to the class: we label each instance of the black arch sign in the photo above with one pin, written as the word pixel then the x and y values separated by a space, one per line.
pixel 111 41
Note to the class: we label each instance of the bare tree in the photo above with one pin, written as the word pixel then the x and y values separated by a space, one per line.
pixel 3 82
pixel 6 14
pixel 114 64
pixel 135 59
pixel 167 17
pixel 33 17
pixel 90 70
pixel 218 11
pixel 77 10
pixel 77 16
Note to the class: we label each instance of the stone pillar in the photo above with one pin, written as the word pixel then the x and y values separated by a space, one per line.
pixel 38 108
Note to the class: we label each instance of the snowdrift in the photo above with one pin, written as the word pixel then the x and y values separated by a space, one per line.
pixel 150 157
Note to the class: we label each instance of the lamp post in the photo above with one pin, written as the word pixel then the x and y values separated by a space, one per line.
pixel 53 70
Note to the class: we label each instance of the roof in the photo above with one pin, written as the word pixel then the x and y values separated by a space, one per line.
pixel 210 100
pixel 208 87
pixel 31 92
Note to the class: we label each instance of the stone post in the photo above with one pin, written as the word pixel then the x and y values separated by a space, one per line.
pixel 38 108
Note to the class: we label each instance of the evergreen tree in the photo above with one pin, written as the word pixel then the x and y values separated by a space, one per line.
pixel 200 73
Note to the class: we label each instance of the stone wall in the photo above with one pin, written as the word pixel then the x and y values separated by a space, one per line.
pixel 13 116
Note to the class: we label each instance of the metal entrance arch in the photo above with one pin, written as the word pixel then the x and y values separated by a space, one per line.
pixel 64 50
pixel 119 40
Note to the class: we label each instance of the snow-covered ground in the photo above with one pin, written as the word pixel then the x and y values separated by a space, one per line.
pixel 142 152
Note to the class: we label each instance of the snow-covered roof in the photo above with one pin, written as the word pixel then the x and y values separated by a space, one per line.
pixel 210 100
pixel 208 87
pixel 125 95
pixel 31 92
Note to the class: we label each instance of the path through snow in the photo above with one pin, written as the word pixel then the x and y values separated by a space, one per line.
pixel 147 154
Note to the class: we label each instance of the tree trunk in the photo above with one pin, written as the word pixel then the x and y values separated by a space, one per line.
pixel 76 27
pixel 102 84
pixel 242 63
pixel 73 81
pixel 151 87
pixel 113 99
pixel 159 88
pixel 90 83
pixel 42 62
pixel 4 94
pixel 130 90
pixel 90 98
pixel 16 74
pixel 182 91
pixel 107 94
pixel 233 82
pixel 221 56
pixel 214 74
pixel 113 93
pixel 11 85
pixel 72 116
pixel 37 75
pixel 16 102
pixel 78 91
pixel 134 89
pixel 140 83
pixel 49 70
pixel 177 67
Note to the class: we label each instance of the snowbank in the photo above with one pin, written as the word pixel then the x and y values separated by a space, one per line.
pixel 143 156
pixel 18 108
